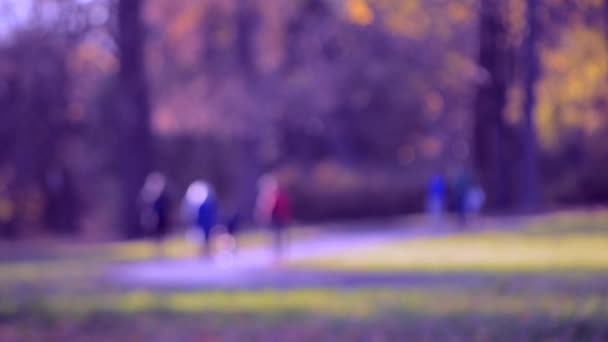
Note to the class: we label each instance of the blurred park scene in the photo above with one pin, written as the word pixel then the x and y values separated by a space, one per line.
pixel 357 170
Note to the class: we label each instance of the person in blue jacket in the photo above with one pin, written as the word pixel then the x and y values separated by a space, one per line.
pixel 463 186
pixel 201 210
pixel 436 198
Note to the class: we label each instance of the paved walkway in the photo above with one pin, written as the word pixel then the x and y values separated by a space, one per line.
pixel 256 267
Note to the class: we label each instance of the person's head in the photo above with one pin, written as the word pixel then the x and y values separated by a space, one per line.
pixel 155 183
pixel 198 192
pixel 268 183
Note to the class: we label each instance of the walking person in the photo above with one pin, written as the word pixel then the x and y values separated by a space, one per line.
pixel 155 209
pixel 469 197
pixel 436 197
pixel 273 208
pixel 200 206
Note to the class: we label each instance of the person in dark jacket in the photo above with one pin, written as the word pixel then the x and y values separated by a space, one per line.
pixel 155 208
pixel 233 225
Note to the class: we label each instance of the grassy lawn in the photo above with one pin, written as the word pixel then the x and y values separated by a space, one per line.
pixel 360 314
pixel 545 281
pixel 569 242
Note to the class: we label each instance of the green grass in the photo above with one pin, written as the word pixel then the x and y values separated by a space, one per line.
pixel 559 243
pixel 545 280
pixel 304 314
pixel 337 303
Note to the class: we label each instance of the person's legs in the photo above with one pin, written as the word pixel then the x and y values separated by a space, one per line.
pixel 233 228
pixel 278 242
pixel 161 233
pixel 463 212
pixel 435 211
pixel 206 247
pixel 160 246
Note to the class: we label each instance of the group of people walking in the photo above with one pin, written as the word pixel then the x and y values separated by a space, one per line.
pixel 467 197
pixel 201 212
pixel 200 208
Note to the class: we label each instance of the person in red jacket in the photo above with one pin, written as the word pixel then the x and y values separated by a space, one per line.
pixel 273 209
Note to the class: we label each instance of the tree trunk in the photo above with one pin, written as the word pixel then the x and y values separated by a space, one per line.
pixel 489 128
pixel 530 188
pixel 605 21
pixel 134 148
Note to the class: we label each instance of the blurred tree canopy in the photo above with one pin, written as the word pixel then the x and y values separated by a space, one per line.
pixel 353 102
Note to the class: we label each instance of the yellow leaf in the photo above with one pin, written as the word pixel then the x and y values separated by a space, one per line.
pixel 359 12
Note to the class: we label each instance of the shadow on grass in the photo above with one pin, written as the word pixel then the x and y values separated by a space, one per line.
pixel 301 326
